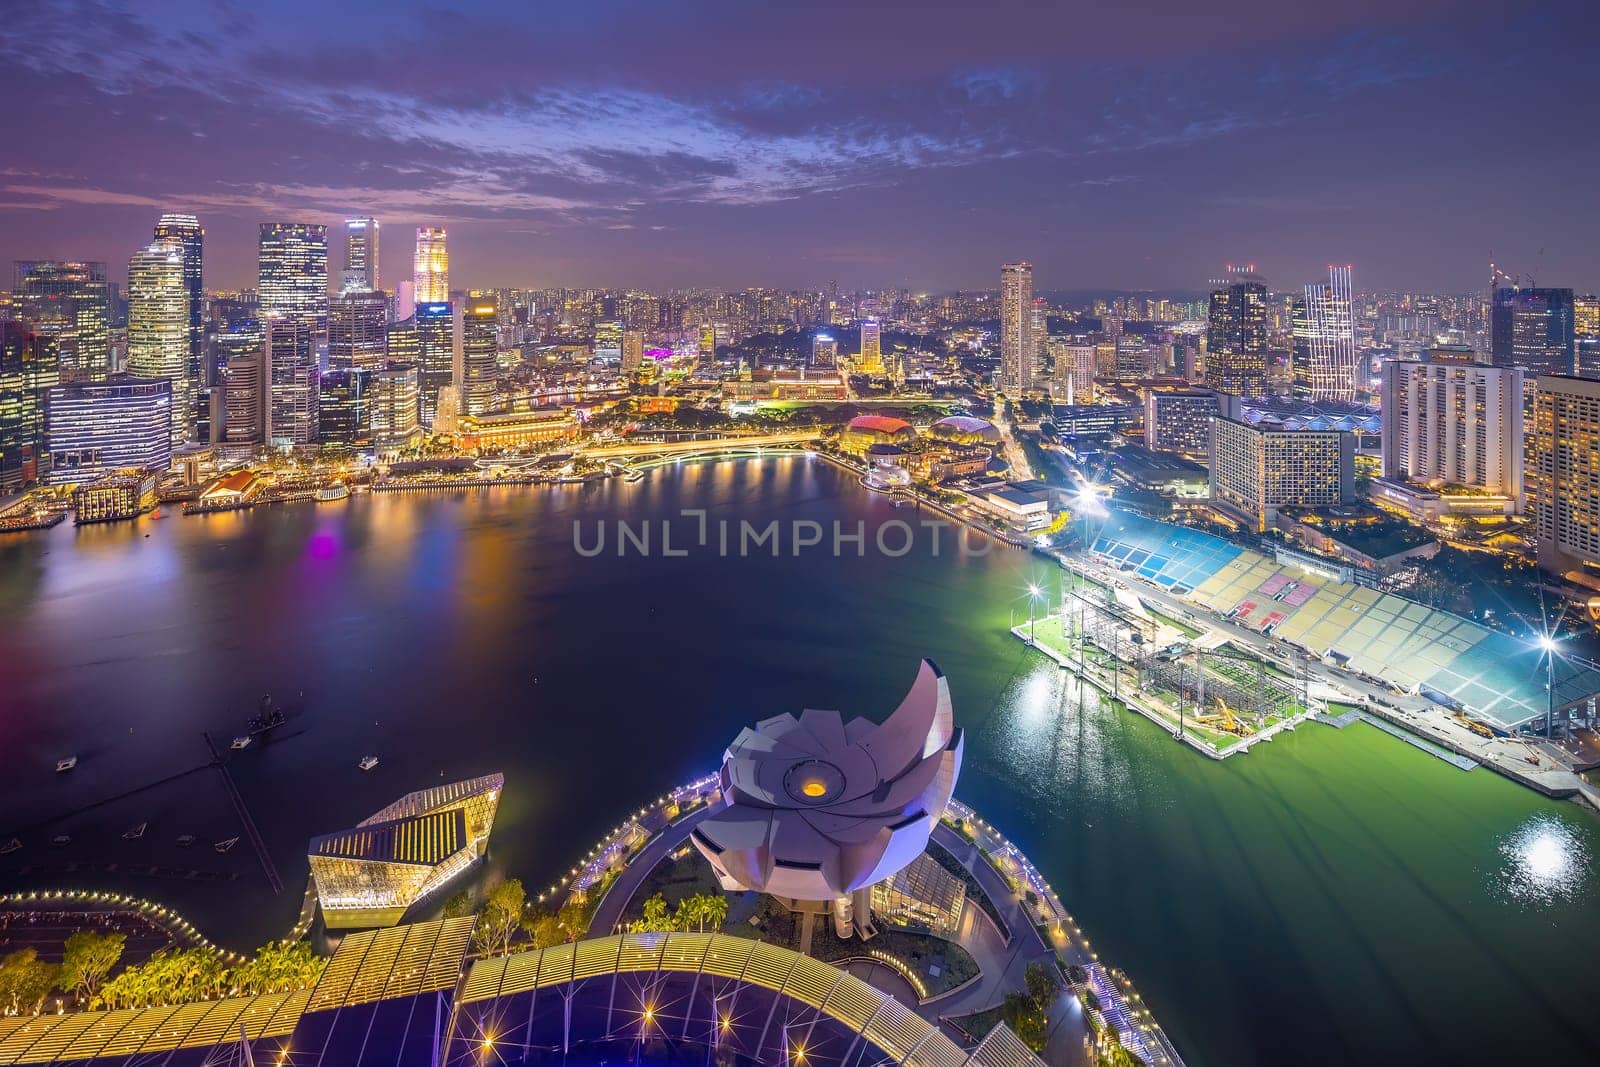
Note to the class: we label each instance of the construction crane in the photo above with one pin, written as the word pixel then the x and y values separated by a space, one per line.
pixel 1223 720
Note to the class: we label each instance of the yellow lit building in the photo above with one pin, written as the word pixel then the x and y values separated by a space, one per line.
pixel 515 429
pixel 370 875
pixel 431 267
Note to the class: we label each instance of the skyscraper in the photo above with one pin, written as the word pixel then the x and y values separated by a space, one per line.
pixel 632 351
pixel 360 254
pixel 94 428
pixel 1533 329
pixel 29 366
pixel 158 329
pixel 1258 468
pixel 1451 422
pixel 292 272
pixel 291 373
pixel 435 356
pixel 824 352
pixel 185 232
pixel 1563 472
pixel 1325 363
pixel 245 393
pixel 344 408
pixel 358 326
pixel 1236 335
pixel 871 361
pixel 1018 351
pixel 70 301
pixel 394 407
pixel 479 359
pixel 431 267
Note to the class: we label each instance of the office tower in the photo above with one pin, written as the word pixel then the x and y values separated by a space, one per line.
pixel 431 270
pixel 405 300
pixel 240 338
pixel 69 301
pixel 871 361
pixel 632 351
pixel 403 344
pixel 480 355
pixel 824 352
pixel 245 392
pixel 1325 362
pixel 1563 472
pixel 1586 315
pixel 358 329
pixel 1074 372
pixel 95 428
pixel 1533 329
pixel 1179 420
pixel 344 409
pixel 289 347
pixel 1018 350
pixel 360 255
pixel 435 356
pixel 1257 469
pixel 1451 422
pixel 185 232
pixel 292 272
pixel 395 407
pixel 30 366
pixel 158 329
pixel 1236 335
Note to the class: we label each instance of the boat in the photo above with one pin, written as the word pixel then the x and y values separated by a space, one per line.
pixel 60 840
pixel 332 492
pixel 368 762
pixel 240 742
pixel 10 846
pixel 133 833
pixel 185 840
pixel 64 765
pixel 223 846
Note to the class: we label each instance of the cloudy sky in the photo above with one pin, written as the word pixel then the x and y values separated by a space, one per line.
pixel 738 142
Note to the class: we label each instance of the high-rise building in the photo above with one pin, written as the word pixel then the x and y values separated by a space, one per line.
pixel 358 330
pixel 1325 363
pixel 607 339
pixel 158 329
pixel 824 352
pixel 1236 335
pixel 431 267
pixel 1586 315
pixel 1018 350
pixel 1179 420
pixel 93 428
pixel 1074 372
pixel 30 366
pixel 185 232
pixel 344 408
pixel 292 272
pixel 1533 329
pixel 1563 472
pixel 361 255
pixel 1258 468
pixel 289 347
pixel 435 356
pixel 245 393
pixel 395 410
pixel 632 351
pixel 871 359
pixel 70 301
pixel 1451 422
pixel 480 359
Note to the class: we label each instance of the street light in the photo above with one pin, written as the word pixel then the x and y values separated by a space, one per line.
pixel 1033 597
pixel 1548 645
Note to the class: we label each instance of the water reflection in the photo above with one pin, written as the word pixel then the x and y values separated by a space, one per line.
pixel 1542 861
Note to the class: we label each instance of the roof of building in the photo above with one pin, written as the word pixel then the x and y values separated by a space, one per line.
pixel 879 424
pixel 424 839
pixel 965 428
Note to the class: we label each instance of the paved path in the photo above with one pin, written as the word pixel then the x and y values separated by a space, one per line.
pixel 610 911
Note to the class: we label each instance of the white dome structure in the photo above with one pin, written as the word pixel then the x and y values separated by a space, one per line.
pixel 817 809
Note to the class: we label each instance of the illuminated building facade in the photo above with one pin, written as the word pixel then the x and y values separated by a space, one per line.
pixel 344 408
pixel 1325 363
pixel 404 853
pixel 515 429
pixel 1236 335
pixel 185 232
pixel 395 411
pixel 360 255
pixel 632 351
pixel 29 367
pixel 1453 423
pixel 93 428
pixel 1533 329
pixel 824 352
pixel 922 893
pixel 1180 420
pixel 245 393
pixel 435 329
pixel 1074 372
pixel 358 330
pixel 291 363
pixel 292 272
pixel 480 359
pixel 70 301
pixel 431 267
pixel 1018 349
pixel 864 431
pixel 1563 473
pixel 158 329
pixel 1257 469
pixel 871 360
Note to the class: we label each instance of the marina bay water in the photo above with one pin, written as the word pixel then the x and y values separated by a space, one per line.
pixel 1335 896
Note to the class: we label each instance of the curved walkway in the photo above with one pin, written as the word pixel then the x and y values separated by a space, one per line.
pixel 615 903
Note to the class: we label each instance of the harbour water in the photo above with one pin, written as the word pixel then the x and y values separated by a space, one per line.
pixel 1334 896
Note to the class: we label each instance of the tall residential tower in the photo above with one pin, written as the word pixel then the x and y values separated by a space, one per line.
pixel 1018 350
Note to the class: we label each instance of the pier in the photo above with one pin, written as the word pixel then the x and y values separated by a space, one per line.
pixel 249 824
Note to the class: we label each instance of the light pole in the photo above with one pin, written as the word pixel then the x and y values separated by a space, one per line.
pixel 1547 642
pixel 1033 598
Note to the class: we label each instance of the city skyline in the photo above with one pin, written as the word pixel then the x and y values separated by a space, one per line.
pixel 569 147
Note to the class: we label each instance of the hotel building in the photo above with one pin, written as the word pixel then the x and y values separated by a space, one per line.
pixel 1452 423
pixel 1257 469
pixel 1563 475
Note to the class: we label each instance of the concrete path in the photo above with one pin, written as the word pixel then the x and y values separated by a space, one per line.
pixel 610 911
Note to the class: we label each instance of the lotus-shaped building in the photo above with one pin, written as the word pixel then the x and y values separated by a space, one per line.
pixel 816 809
